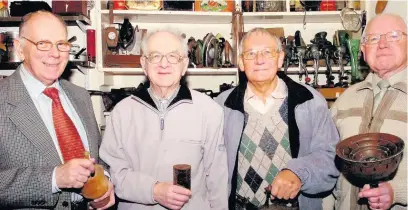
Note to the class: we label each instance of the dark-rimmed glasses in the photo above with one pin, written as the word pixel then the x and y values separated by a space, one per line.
pixel 392 36
pixel 172 58
pixel 266 52
pixel 45 45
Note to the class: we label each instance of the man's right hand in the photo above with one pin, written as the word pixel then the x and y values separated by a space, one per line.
pixel 74 173
pixel 171 196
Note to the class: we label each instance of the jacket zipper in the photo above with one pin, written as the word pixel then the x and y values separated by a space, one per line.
pixel 162 115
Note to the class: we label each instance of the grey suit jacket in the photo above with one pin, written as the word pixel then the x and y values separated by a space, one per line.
pixel 27 152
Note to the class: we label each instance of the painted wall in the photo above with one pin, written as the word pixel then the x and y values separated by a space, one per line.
pixel 399 7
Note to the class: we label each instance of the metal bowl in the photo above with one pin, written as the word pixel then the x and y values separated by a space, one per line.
pixel 371 157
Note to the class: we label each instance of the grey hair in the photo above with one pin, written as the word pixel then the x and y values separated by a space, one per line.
pixel 176 33
pixel 260 31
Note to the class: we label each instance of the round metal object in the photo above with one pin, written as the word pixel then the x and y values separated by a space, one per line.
pixel 370 157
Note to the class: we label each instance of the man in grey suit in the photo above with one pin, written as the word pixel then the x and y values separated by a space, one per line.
pixel 43 122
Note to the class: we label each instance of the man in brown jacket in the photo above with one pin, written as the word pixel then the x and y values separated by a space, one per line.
pixel 378 104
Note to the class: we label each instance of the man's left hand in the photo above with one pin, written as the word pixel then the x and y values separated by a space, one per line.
pixel 286 185
pixel 101 203
pixel 380 197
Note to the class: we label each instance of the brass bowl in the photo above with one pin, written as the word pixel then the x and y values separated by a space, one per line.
pixel 371 157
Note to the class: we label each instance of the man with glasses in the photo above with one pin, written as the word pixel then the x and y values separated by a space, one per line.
pixel 47 125
pixel 377 104
pixel 279 133
pixel 164 125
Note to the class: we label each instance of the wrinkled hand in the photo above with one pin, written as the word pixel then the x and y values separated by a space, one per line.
pixel 171 196
pixel 378 198
pixel 106 201
pixel 74 173
pixel 286 185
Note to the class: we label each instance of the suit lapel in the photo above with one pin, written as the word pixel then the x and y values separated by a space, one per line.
pixel 78 100
pixel 27 119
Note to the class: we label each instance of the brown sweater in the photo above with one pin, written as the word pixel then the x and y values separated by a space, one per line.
pixel 352 113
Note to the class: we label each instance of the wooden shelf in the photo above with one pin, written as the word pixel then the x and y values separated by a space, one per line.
pixel 211 71
pixel 70 20
pixel 292 17
pixel 191 71
pixel 189 17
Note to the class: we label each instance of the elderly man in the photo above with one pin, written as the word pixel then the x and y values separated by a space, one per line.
pixel 279 134
pixel 46 124
pixel 164 125
pixel 379 104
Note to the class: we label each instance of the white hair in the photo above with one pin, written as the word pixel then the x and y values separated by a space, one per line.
pixel 176 33
pixel 261 31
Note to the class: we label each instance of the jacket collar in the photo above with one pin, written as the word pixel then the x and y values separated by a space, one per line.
pixel 183 94
pixel 297 93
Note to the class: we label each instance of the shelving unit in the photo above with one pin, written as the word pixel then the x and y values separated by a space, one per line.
pixel 197 25
pixel 70 20
pixel 187 17
pixel 292 17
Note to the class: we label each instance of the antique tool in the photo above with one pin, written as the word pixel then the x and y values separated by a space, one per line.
pixel 237 31
pixel 97 184
pixel 341 50
pixel 182 175
pixel 211 50
pixel 301 52
pixel 111 34
pixel 199 52
pixel 328 52
pixel 353 46
pixel 110 99
pixel 126 34
pixel 224 53
pixel 288 57
pixel 192 45
pixel 314 53
pixel 370 158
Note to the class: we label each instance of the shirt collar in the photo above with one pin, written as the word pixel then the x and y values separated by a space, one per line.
pixel 34 87
pixel 397 81
pixel 280 91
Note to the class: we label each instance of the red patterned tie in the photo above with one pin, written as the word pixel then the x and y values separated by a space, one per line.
pixel 68 137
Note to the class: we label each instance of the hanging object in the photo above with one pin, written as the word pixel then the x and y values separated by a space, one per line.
pixel 380 6
pixel 350 19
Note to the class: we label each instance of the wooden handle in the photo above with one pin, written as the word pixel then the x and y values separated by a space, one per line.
pixel 111 13
pixel 380 6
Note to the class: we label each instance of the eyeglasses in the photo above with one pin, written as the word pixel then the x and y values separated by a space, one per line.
pixel 392 36
pixel 45 45
pixel 267 52
pixel 172 58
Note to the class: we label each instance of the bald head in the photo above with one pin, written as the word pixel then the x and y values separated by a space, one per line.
pixel 385 22
pixel 388 56
pixel 28 19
